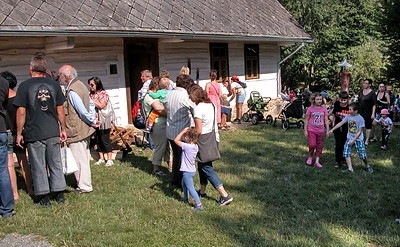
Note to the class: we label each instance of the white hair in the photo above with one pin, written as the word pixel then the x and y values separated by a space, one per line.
pixel 69 71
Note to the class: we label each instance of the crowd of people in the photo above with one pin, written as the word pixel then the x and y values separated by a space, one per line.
pixel 48 112
pixel 353 121
pixel 45 113
pixel 170 114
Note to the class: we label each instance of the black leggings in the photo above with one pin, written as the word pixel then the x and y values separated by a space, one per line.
pixel 103 140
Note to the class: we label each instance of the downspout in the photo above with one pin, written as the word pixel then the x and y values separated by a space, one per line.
pixel 279 88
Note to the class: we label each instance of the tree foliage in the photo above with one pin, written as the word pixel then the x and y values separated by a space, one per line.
pixel 337 28
pixel 391 32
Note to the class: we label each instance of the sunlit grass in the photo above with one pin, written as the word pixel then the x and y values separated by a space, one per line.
pixel 278 200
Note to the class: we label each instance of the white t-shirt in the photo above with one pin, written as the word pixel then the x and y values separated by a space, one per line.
pixel 202 111
pixel 239 89
pixel 224 90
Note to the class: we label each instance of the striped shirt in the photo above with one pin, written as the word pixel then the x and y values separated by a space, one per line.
pixel 178 107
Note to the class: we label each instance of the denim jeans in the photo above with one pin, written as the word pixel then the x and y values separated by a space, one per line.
pixel 6 194
pixel 207 173
pixel 188 186
pixel 149 140
pixel 42 153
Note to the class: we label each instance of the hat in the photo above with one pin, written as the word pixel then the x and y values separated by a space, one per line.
pixel 384 112
pixel 235 78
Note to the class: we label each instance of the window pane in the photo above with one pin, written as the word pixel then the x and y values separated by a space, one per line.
pixel 251 54
pixel 219 59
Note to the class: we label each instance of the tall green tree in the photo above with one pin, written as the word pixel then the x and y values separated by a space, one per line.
pixel 391 32
pixel 336 27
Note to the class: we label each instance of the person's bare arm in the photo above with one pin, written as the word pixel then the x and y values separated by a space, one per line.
pixel 360 130
pixel 61 119
pixel 178 138
pixel 20 121
pixel 158 107
pixel 337 126
pixel 100 104
pixel 198 125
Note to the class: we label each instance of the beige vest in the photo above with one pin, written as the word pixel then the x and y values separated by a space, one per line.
pixel 77 130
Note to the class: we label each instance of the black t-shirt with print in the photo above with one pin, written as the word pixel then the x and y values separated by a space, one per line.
pixel 340 113
pixel 40 96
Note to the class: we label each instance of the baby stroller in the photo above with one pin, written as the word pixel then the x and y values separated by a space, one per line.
pixel 294 110
pixel 256 104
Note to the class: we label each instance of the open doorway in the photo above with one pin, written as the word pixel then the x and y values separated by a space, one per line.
pixel 140 54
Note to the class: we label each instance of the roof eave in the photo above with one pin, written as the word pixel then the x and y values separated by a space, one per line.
pixel 155 34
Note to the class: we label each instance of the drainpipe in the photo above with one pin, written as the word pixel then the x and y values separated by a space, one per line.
pixel 279 67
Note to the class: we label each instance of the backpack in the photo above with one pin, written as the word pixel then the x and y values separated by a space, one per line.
pixel 243 84
pixel 139 117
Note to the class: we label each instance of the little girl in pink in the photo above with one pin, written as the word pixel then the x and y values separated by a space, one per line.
pixel 316 124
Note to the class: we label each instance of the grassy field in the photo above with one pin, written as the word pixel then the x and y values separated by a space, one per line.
pixel 278 200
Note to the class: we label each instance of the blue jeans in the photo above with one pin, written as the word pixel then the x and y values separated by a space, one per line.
pixel 187 185
pixel 42 153
pixel 207 173
pixel 6 194
pixel 149 140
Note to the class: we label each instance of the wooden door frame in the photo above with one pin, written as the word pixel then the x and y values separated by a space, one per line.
pixel 128 82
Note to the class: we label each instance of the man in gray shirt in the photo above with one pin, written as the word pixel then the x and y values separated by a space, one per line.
pixel 178 107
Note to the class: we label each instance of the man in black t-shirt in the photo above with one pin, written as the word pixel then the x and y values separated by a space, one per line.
pixel 40 112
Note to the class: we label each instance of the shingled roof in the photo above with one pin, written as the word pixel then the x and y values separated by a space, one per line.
pixel 238 19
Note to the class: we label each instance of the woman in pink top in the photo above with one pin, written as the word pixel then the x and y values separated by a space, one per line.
pixel 214 93
pixel 316 123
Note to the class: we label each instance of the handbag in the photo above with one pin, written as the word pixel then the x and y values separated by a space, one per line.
pixel 107 116
pixel 208 146
pixel 68 161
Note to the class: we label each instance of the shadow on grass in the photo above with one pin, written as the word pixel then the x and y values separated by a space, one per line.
pixel 300 205
pixel 143 163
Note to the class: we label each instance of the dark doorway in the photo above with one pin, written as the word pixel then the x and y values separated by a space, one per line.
pixel 140 54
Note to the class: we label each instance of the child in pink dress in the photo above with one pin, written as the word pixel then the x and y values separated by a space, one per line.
pixel 316 123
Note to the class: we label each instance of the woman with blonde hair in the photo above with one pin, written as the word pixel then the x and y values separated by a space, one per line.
pixel 185 70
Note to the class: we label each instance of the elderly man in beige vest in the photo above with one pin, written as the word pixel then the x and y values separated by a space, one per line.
pixel 80 119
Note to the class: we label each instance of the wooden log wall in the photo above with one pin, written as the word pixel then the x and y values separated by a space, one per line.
pixel 91 56
pixel 172 56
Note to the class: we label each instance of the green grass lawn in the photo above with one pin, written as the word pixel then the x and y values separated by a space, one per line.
pixel 278 200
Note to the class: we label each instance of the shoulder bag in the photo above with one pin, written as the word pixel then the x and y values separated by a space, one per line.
pixel 208 146
pixel 107 116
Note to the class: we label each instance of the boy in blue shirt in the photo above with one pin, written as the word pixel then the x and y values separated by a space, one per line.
pixel 355 137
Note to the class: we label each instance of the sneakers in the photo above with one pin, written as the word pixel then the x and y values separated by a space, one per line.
pixel 9 215
pixel 43 201
pixel 309 161
pixel 198 207
pixel 225 200
pixel 204 195
pixel 184 200
pixel 100 162
pixel 109 163
pixel 347 171
pixel 58 197
pixel 369 170
pixel 236 121
pixel 157 173
pixel 338 165
pixel 383 147
pixel 317 164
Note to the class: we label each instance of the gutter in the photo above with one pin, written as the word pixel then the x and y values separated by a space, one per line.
pixel 279 80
